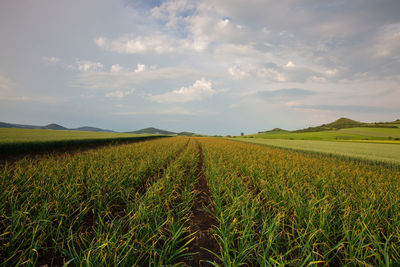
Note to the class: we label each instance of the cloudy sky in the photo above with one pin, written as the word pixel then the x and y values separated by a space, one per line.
pixel 212 66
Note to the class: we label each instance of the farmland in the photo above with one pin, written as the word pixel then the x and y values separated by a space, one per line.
pixel 360 149
pixel 11 135
pixel 181 200
pixel 33 140
pixel 356 133
pixel 339 130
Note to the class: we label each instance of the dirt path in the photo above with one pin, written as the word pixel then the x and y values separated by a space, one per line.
pixel 202 221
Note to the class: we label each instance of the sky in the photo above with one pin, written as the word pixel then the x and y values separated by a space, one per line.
pixel 211 67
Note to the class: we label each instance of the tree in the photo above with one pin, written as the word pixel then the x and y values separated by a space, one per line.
pixel 241 133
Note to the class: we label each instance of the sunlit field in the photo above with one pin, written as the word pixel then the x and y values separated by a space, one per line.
pixel 359 149
pixel 31 140
pixel 173 201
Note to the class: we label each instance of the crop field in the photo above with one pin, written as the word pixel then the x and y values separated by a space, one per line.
pixel 373 132
pixel 389 152
pixel 28 140
pixel 11 135
pixel 179 201
pixel 395 142
pixel 325 135
pixel 356 133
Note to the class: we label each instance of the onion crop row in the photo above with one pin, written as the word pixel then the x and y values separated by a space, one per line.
pixel 277 207
pixel 133 205
pixel 89 207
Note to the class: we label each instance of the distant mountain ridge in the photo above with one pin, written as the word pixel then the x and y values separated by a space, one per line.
pixel 90 129
pixel 21 126
pixel 338 124
pixel 54 126
pixel 276 130
pixel 51 126
pixel 346 123
pixel 152 130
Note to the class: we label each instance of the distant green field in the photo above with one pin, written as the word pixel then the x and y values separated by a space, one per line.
pixel 372 132
pixel 397 142
pixel 27 140
pixel 369 151
pixel 11 135
pixel 358 133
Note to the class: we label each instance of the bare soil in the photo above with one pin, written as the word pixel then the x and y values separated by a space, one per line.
pixel 202 222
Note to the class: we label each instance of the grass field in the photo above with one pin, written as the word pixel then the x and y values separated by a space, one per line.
pixel 370 151
pixel 357 133
pixel 393 142
pixel 177 201
pixel 373 132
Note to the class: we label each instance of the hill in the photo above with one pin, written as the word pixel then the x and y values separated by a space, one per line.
pixel 336 125
pixel 91 129
pixel 152 130
pixel 188 134
pixel 19 126
pixel 275 130
pixel 341 129
pixel 51 126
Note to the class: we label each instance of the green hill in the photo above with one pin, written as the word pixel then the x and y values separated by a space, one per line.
pixel 90 129
pixel 341 129
pixel 51 126
pixel 336 125
pixel 187 134
pixel 152 130
pixel 275 131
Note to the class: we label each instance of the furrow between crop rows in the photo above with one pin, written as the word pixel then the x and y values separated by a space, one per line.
pixel 204 246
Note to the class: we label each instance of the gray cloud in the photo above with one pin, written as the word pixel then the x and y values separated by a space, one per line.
pixel 350 108
pixel 339 50
pixel 287 93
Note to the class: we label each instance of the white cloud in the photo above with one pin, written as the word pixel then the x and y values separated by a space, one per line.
pixel 116 68
pixel 318 79
pixel 331 72
pixel 172 12
pixel 288 72
pixel 388 41
pixel 51 60
pixel 199 90
pixel 157 43
pixel 140 68
pixel 88 66
pixel 166 112
pixel 129 79
pixel 16 98
pixel 140 44
pixel 290 64
pixel 119 94
pixel 5 83
pixel 238 73
pixel 187 26
pixel 257 71
pixel 223 23
pixel 100 42
pixel 271 74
